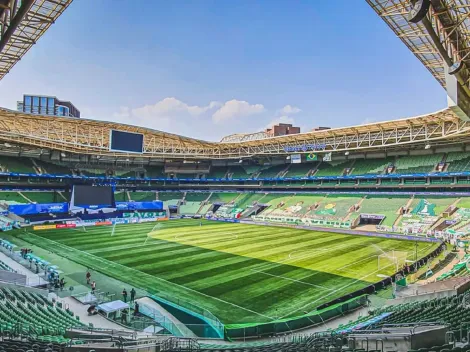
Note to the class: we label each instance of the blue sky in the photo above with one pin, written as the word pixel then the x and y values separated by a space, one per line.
pixel 211 68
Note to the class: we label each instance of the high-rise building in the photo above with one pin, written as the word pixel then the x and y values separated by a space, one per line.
pixel 45 105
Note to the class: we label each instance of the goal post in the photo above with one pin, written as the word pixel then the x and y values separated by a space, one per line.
pixel 394 259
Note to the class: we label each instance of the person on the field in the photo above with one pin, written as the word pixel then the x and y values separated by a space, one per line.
pixel 124 295
pixel 132 294
pixel 136 309
pixel 88 277
pixel 93 287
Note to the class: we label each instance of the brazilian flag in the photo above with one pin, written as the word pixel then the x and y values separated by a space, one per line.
pixel 312 157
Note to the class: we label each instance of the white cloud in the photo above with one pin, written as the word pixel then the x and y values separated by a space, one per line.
pixel 236 108
pixel 289 110
pixel 281 119
pixel 123 112
pixel 172 107
pixel 207 121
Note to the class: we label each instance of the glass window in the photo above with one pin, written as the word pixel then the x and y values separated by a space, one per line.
pixel 66 111
pixel 43 101
pixel 50 102
pixel 35 101
pixel 27 100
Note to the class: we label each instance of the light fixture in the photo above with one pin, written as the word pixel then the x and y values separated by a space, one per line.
pixel 240 161
pixel 347 153
pixel 427 146
pixel 63 155
pixel 288 157
pixel 456 67
pixel 8 145
pixel 419 11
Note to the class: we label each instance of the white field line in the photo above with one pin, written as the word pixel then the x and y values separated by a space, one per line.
pixel 294 280
pixel 109 263
pixel 178 238
pixel 306 255
pixel 333 292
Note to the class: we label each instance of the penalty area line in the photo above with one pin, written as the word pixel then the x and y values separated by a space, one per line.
pixel 335 291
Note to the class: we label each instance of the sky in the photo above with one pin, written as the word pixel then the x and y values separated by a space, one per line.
pixel 211 68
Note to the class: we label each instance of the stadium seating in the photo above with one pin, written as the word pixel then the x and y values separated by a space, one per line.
pixel 154 172
pixel 193 202
pixel 44 197
pixel 53 169
pixel 438 204
pixel 222 197
pixel 38 344
pixel 370 166
pixel 92 172
pixel 446 310
pixel 300 170
pixel 35 312
pixel 417 163
pixel 217 172
pixel 120 196
pixel 335 206
pixel 391 182
pixel 332 168
pixel 12 197
pixel 190 208
pixel 13 164
pixel 4 266
pixel 143 196
pixel 258 347
pixel 458 161
pixel 272 171
pixel 248 199
pixel 196 196
pixel 166 196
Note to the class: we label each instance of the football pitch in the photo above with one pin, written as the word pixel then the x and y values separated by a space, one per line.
pixel 241 273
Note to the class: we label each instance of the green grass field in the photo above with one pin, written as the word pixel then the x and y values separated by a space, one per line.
pixel 241 273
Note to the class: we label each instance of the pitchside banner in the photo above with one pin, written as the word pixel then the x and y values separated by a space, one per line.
pixel 25 209
pixel 154 205
pixel 144 215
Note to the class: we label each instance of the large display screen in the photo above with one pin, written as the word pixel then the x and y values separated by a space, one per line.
pixel 93 195
pixel 126 142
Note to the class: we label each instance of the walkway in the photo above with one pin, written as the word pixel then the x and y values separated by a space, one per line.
pixel 98 320
pixel 159 311
pixel 32 279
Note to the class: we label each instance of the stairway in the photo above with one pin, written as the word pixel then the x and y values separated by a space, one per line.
pixel 29 200
pixel 63 197
pixel 37 168
pixel 400 216
pixel 346 218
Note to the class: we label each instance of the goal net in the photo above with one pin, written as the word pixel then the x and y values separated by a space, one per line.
pixel 394 260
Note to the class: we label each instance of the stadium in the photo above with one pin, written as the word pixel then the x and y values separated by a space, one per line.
pixel 119 237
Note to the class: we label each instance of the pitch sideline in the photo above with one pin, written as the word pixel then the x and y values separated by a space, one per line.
pixel 113 264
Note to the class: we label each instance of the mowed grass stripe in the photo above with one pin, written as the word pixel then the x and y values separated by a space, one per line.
pixel 270 270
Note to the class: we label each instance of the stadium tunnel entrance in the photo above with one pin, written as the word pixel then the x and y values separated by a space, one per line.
pixel 370 219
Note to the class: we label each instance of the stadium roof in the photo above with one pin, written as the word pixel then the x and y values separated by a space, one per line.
pixel 441 39
pixel 22 23
pixel 91 137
